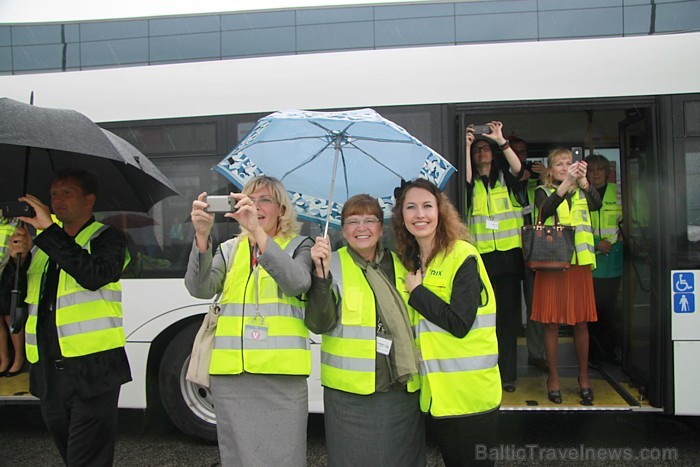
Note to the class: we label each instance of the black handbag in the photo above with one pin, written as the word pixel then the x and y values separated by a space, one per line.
pixel 547 247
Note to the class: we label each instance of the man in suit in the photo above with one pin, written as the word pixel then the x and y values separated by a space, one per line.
pixel 74 334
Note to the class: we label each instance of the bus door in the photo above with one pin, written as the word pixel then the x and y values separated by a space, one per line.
pixel 641 343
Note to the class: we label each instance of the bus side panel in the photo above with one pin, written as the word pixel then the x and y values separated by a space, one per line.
pixel 133 393
pixel 685 368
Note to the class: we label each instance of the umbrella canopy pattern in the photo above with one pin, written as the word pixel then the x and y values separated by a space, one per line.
pixel 38 142
pixel 324 158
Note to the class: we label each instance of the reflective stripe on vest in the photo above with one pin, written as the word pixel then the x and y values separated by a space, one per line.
pixel 605 221
pixel 493 204
pixel 6 231
pixel 578 217
pixel 349 351
pixel 259 330
pixel 458 376
pixel 87 321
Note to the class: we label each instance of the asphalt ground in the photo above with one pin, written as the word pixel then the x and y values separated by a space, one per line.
pixel 527 439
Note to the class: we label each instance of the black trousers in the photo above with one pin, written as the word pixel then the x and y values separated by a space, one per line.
pixel 606 333
pixel 506 287
pixel 465 441
pixel 84 430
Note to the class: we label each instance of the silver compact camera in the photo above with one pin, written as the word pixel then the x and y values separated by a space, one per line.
pixel 220 203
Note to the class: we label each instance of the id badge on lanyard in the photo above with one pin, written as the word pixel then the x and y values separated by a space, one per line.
pixel 256 330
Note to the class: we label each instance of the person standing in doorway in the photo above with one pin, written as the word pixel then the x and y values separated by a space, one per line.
pixel 74 335
pixel 534 333
pixel 492 182
pixel 566 297
pixel 606 333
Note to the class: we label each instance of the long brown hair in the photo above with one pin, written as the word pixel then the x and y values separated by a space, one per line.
pixel 450 227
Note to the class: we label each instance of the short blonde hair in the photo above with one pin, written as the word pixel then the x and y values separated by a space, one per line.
pixel 287 224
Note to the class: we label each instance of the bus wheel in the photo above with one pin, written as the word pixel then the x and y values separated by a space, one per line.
pixel 189 406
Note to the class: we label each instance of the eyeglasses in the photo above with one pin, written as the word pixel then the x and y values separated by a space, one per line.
pixel 263 201
pixel 354 223
pixel 479 149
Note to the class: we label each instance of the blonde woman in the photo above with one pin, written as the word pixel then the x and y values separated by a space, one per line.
pixel 566 297
pixel 261 355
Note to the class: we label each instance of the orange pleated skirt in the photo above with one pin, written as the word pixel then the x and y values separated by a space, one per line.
pixel 564 297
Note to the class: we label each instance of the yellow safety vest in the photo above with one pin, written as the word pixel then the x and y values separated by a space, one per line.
pixel 458 376
pixel 605 221
pixel 493 205
pixel 259 330
pixel 578 217
pixel 7 229
pixel 87 321
pixel 349 351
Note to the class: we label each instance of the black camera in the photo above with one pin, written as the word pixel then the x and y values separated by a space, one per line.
pixel 16 209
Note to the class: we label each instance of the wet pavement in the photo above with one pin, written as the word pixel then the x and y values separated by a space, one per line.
pixel 526 439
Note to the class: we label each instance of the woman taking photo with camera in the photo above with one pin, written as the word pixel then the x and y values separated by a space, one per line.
pixel 567 297
pixel 261 356
pixel 454 314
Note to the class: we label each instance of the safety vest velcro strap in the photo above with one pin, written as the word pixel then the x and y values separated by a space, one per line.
pixel 354 332
pixel 265 309
pixel 365 365
pixel 87 296
pixel 452 365
pixel 268 343
pixel 91 325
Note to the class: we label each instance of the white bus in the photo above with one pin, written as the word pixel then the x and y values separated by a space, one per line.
pixel 555 76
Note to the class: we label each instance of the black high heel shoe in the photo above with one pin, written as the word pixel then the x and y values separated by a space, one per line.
pixel 586 394
pixel 553 395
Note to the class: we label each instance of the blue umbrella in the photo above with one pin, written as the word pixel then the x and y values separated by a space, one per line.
pixel 308 150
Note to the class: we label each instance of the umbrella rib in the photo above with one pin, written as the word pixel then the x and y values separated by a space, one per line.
pixel 376 160
pixel 307 161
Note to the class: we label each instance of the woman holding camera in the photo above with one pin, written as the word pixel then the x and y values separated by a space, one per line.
pixel 261 356
pixel 567 297
pixel 492 186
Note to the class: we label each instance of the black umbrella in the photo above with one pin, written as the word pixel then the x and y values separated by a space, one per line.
pixel 37 142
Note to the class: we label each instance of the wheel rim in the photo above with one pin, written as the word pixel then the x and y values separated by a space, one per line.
pixel 197 398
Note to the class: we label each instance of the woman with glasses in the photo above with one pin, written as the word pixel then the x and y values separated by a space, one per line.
pixel 368 360
pixel 453 313
pixel 493 183
pixel 261 356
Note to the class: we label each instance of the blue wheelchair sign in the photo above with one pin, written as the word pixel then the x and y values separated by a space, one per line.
pixel 684 282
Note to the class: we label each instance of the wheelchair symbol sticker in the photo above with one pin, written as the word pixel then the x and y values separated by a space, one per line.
pixel 684 282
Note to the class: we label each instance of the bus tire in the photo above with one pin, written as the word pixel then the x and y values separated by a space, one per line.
pixel 189 406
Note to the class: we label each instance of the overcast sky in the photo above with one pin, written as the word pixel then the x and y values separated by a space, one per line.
pixel 24 11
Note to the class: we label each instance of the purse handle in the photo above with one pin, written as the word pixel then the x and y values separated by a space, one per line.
pixel 539 211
